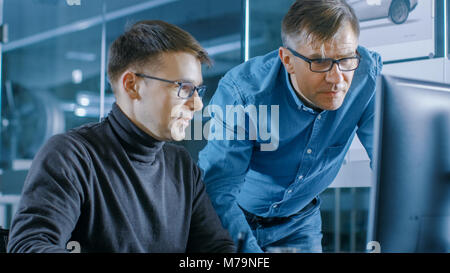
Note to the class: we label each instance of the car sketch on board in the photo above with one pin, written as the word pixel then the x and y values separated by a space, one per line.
pixel 396 10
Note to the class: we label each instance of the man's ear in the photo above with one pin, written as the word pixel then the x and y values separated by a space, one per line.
pixel 286 59
pixel 130 85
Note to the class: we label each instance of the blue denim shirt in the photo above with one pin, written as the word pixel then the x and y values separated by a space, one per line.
pixel 309 150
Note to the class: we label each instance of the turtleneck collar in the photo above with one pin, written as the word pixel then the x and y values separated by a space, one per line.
pixel 139 145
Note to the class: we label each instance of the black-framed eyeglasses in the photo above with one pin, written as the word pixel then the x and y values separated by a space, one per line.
pixel 326 64
pixel 185 89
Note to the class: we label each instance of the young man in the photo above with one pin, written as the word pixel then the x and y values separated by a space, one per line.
pixel 323 85
pixel 117 186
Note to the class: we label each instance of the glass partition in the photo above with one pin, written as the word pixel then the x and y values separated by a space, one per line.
pixel 52 64
pixel 54 67
pixel 265 25
pixel 51 59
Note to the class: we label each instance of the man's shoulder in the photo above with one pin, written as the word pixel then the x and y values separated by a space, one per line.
pixel 91 128
pixel 253 78
pixel 254 67
pixel 75 139
pixel 371 62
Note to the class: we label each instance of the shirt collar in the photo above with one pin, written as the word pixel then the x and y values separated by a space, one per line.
pixel 298 102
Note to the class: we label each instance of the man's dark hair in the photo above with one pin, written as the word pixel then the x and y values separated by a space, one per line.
pixel 316 21
pixel 144 43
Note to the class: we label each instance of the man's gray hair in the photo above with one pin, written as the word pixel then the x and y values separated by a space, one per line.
pixel 316 22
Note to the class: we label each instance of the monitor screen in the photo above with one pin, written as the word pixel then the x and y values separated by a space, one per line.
pixel 410 207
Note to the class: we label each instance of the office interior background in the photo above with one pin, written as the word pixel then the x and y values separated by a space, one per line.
pixel 53 76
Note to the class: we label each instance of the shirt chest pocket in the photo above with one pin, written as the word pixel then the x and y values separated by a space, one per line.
pixel 332 157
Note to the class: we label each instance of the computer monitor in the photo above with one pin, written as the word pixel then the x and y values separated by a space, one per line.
pixel 410 205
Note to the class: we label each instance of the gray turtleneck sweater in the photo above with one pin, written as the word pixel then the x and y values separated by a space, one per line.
pixel 112 188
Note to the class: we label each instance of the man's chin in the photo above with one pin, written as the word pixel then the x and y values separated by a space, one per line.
pixel 178 137
pixel 332 105
pixel 178 132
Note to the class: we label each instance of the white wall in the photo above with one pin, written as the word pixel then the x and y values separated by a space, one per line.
pixel 437 70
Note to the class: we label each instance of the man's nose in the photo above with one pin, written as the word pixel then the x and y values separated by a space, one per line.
pixel 195 102
pixel 335 75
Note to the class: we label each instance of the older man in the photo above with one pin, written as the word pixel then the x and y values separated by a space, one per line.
pixel 321 86
pixel 117 186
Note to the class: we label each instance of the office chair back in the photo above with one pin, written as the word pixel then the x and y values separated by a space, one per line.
pixel 4 233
